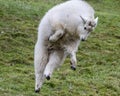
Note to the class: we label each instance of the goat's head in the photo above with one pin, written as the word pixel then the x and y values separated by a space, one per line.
pixel 88 27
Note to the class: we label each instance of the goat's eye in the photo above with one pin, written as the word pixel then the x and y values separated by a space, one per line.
pixel 85 28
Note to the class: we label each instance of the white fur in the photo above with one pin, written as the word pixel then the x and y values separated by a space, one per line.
pixel 59 35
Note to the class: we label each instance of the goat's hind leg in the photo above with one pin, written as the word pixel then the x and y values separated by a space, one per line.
pixel 55 59
pixel 40 61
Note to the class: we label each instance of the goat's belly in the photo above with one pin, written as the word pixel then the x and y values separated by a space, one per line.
pixel 62 43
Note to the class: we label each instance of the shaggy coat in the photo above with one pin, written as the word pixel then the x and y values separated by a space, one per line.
pixel 59 34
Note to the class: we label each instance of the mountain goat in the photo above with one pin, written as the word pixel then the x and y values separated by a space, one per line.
pixel 59 35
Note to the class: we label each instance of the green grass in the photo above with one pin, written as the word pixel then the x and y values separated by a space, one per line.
pixel 98 70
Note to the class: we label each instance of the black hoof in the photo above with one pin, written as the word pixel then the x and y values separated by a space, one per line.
pixel 37 90
pixel 73 68
pixel 48 77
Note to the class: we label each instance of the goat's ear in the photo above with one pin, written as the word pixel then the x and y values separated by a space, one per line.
pixel 96 21
pixel 83 19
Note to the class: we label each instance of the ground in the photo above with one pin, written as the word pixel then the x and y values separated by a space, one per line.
pixel 98 69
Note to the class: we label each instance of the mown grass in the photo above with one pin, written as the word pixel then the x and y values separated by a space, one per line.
pixel 98 70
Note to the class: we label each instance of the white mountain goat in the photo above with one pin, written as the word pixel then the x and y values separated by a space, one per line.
pixel 59 35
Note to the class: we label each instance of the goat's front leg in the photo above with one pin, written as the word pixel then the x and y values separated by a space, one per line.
pixel 73 60
pixel 57 35
pixel 72 49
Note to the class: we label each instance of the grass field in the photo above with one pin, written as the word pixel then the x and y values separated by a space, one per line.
pixel 98 70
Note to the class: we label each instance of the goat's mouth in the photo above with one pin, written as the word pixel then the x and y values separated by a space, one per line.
pixel 83 39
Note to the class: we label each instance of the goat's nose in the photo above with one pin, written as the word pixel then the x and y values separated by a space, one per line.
pixel 82 39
